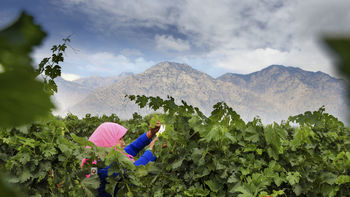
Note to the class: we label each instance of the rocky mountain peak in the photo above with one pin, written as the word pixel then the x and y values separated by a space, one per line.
pixel 274 70
pixel 172 67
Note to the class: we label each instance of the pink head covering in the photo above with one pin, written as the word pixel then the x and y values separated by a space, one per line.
pixel 107 134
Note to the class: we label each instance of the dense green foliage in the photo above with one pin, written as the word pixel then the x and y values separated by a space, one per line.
pixel 45 157
pixel 219 155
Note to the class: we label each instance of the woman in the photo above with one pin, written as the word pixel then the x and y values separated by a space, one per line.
pixel 109 134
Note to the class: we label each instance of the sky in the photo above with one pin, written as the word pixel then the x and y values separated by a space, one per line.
pixel 109 37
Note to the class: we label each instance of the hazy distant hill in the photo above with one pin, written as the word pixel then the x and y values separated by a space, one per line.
pixel 72 92
pixel 69 93
pixel 95 82
pixel 273 93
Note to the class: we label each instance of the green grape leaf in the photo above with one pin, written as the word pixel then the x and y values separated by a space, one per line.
pixel 232 179
pixel 297 189
pixel 202 173
pixel 278 180
pixel 342 179
pixel 244 191
pixel 177 163
pixel 154 120
pixel 82 140
pixel 90 185
pixel 251 133
pixel 141 171
pixel 24 158
pixel 116 155
pixel 49 151
pixel 293 177
pixel 25 176
pixel 214 186
pixel 328 177
pixel 193 191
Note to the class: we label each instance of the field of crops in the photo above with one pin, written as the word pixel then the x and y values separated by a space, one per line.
pixel 219 155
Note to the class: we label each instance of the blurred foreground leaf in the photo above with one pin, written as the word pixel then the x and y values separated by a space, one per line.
pixel 341 47
pixel 22 99
pixel 17 42
pixel 6 189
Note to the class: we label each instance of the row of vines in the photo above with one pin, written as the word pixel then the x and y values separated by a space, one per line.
pixel 219 155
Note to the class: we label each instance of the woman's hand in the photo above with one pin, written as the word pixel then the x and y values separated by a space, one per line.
pixel 153 142
pixel 164 145
pixel 153 131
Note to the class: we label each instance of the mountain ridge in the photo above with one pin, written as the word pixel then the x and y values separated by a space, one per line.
pixel 272 93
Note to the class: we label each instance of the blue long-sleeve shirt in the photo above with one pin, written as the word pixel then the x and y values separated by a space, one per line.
pixel 133 149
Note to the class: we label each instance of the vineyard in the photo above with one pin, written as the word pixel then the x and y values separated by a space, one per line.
pixel 219 155
pixel 216 155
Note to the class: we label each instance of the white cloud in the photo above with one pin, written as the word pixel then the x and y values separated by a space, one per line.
pixel 233 34
pixel 168 42
pixel 70 77
pixel 119 13
pixel 83 63
pixel 325 17
pixel 247 61
pixel 104 63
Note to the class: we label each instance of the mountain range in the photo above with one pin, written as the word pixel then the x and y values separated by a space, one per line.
pixel 273 93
